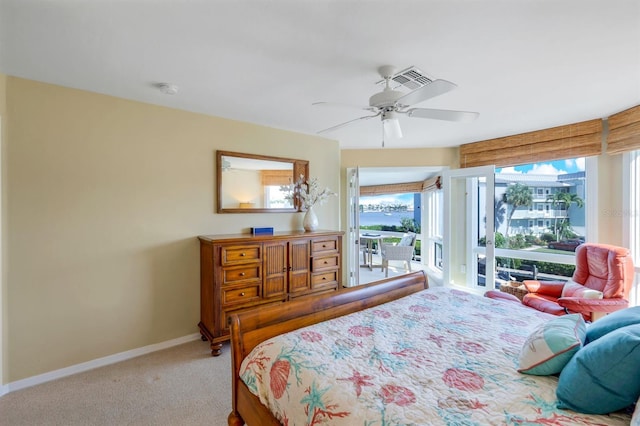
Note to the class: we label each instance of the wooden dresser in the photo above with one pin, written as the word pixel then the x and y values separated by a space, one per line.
pixel 242 271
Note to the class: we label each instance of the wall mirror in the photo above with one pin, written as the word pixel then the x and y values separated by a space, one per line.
pixel 249 183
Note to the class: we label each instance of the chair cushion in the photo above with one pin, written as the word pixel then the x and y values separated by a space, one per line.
pixel 603 376
pixel 573 289
pixel 406 240
pixel 551 345
pixel 543 304
pixel 547 288
pixel 501 295
pixel 613 321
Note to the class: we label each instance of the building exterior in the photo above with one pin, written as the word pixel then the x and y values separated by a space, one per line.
pixel 543 215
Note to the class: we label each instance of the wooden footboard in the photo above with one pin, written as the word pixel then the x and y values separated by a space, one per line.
pixel 252 327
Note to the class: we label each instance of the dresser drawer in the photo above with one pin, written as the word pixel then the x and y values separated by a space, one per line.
pixel 226 314
pixel 324 246
pixel 237 295
pixel 234 255
pixel 325 279
pixel 323 263
pixel 244 273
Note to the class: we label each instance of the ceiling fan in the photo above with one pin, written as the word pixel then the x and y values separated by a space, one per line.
pixel 390 104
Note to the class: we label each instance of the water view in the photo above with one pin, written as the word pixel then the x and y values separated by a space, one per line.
pixel 383 218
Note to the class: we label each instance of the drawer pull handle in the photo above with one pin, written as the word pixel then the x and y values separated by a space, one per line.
pixel 324 278
pixel 323 246
pixel 242 254
pixel 325 262
pixel 242 274
pixel 242 294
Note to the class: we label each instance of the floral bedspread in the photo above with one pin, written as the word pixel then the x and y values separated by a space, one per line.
pixel 440 356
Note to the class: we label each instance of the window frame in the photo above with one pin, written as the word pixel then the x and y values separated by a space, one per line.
pixel 631 215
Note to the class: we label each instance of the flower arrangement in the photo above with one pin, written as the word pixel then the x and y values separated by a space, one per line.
pixel 307 193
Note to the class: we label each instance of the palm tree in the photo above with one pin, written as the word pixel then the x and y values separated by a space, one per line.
pixel 517 195
pixel 499 212
pixel 565 199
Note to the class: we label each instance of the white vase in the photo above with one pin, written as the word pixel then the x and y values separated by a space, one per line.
pixel 310 221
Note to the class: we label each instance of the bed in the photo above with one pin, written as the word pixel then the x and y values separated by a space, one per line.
pixel 393 352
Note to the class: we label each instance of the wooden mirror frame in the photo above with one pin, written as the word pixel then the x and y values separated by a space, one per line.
pixel 300 167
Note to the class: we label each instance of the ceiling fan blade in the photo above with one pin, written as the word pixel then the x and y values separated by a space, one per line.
pixel 341 105
pixel 431 90
pixel 339 126
pixel 442 114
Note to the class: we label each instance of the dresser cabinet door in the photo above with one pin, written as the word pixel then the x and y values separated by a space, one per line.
pixel 275 270
pixel 299 258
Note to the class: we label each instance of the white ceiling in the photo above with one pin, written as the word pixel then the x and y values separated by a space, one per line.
pixel 522 64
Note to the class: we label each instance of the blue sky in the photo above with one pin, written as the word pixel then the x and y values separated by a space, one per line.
pixel 548 168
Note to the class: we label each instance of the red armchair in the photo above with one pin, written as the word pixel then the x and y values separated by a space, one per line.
pixel 601 267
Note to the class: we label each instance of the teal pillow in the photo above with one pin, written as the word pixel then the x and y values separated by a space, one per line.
pixel 613 321
pixel 551 345
pixel 603 376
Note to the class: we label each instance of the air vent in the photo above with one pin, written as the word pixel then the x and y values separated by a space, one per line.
pixel 411 78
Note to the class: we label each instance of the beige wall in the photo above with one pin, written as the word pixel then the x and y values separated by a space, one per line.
pixel 3 260
pixel 610 207
pixel 105 198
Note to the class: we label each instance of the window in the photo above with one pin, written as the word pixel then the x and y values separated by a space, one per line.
pixel 524 240
pixel 274 197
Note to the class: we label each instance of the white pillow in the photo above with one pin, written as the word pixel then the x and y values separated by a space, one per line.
pixel 635 419
pixel 573 289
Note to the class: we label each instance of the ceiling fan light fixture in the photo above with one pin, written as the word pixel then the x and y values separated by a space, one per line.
pixel 392 128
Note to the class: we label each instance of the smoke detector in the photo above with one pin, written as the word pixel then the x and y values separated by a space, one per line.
pixel 167 88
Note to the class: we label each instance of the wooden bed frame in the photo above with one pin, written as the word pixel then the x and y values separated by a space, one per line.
pixel 254 326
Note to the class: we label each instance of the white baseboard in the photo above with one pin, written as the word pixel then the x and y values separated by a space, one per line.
pixel 90 365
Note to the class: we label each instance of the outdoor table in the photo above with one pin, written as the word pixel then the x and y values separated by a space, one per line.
pixel 370 239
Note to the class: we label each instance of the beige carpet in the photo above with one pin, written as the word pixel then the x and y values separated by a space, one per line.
pixel 182 385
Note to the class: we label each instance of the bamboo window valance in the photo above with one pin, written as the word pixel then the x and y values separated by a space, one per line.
pixel 574 140
pixel 276 177
pixel 430 184
pixel 624 131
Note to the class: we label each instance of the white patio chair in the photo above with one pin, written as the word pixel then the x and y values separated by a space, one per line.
pixel 403 251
